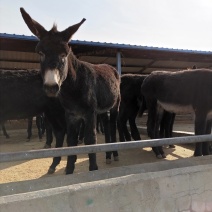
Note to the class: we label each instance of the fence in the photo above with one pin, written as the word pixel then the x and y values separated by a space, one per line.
pixel 65 151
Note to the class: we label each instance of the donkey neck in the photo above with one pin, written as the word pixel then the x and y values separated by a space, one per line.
pixel 75 76
pixel 73 66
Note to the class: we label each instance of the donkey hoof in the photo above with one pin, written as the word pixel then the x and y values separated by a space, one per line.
pixel 197 154
pixel 116 158
pixel 163 156
pixel 159 156
pixel 46 146
pixel 108 161
pixel 69 172
pixel 93 168
pixel 51 171
pixel 80 141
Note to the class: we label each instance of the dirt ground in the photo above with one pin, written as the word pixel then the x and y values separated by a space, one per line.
pixel 34 169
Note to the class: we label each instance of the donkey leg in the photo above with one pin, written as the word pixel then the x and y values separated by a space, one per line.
pixel 49 134
pixel 162 126
pixel 166 126
pixel 59 135
pixel 43 125
pixel 39 126
pixel 101 125
pixel 29 128
pixel 209 129
pixel 200 129
pixel 5 131
pixel 113 121
pixel 155 116
pixel 143 106
pixel 98 123
pixel 106 124
pixel 159 117
pixel 170 128
pixel 127 134
pixel 160 148
pixel 132 117
pixel 81 132
pixel 90 138
pixel 122 119
pixel 206 145
pixel 58 125
pixel 123 131
pixel 152 109
pixel 157 152
pixel 72 140
pixel 134 130
pixel 120 131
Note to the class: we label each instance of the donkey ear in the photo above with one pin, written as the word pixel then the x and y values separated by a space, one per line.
pixel 33 25
pixel 67 33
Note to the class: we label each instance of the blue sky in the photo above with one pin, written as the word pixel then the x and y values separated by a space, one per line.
pixel 182 24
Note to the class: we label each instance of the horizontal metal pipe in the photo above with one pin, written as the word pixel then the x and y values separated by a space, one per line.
pixel 55 152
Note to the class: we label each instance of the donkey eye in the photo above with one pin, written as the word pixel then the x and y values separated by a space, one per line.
pixel 41 53
pixel 42 56
pixel 63 55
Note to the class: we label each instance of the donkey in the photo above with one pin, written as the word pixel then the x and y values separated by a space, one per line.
pixel 22 96
pixel 133 104
pixel 130 105
pixel 186 91
pixel 39 124
pixel 84 89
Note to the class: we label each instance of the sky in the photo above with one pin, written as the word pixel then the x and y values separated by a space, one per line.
pixel 178 24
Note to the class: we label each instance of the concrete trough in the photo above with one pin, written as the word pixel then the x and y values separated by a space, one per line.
pixel 181 185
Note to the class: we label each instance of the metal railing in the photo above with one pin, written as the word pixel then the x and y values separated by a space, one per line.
pixel 65 151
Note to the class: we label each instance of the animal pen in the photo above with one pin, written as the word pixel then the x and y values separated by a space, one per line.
pixel 158 186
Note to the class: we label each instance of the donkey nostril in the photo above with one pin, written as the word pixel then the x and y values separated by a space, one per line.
pixel 51 89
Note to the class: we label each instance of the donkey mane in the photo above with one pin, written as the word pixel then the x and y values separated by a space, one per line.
pixel 54 28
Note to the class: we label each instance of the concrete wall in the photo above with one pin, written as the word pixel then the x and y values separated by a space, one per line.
pixel 186 188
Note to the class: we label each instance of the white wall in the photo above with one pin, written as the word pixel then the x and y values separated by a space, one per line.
pixel 179 189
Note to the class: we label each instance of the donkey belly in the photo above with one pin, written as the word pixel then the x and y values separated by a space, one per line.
pixel 209 116
pixel 107 100
pixel 104 108
pixel 174 108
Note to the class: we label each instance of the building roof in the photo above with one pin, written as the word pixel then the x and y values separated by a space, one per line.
pixel 18 52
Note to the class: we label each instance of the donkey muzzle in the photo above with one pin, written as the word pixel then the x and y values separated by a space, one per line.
pixel 51 90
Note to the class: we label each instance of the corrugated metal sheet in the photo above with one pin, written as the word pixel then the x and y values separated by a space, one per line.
pixel 108 45
pixel 17 52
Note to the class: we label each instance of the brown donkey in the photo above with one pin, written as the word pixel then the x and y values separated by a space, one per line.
pixel 84 89
pixel 187 91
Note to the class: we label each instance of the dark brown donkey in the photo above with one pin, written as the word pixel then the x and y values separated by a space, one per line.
pixel 187 91
pixel 84 89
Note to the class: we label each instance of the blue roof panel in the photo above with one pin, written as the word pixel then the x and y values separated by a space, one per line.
pixel 109 45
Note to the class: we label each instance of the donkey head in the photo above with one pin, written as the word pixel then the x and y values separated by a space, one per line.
pixel 53 49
